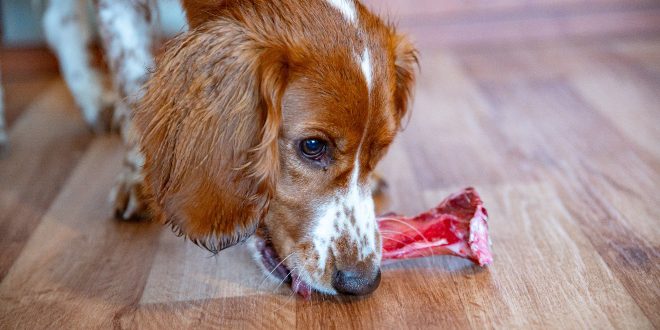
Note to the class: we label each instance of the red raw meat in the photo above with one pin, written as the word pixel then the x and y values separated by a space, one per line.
pixel 457 226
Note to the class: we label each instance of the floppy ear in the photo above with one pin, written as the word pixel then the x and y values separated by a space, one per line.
pixel 209 122
pixel 405 62
pixel 200 11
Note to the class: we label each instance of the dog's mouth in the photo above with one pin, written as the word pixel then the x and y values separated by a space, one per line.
pixel 276 267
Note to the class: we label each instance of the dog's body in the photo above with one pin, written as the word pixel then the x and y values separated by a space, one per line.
pixel 266 114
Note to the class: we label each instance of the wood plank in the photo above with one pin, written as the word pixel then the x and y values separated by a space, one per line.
pixel 232 273
pixel 220 290
pixel 46 143
pixel 250 312
pixel 503 9
pixel 573 27
pixel 398 170
pixel 573 119
pixel 454 150
pixel 627 97
pixel 412 294
pixel 535 242
pixel 627 243
pixel 80 268
pixel 643 54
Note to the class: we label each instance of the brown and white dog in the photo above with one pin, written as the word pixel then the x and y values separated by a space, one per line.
pixel 267 116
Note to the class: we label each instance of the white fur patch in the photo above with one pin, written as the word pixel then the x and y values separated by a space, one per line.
pixel 325 230
pixel 333 220
pixel 127 38
pixel 346 8
pixel 362 203
pixel 67 32
pixel 365 66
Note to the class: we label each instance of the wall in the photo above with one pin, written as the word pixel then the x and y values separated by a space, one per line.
pixel 21 20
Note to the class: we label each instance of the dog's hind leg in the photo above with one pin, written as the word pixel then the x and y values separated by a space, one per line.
pixel 125 28
pixel 68 34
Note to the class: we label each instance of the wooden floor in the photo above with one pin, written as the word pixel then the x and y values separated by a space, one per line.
pixel 559 131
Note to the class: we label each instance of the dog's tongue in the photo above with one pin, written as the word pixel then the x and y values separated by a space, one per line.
pixel 300 287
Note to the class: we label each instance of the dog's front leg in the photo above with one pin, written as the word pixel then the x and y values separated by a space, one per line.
pixel 125 28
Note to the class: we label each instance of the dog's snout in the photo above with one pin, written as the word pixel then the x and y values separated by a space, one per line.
pixel 351 282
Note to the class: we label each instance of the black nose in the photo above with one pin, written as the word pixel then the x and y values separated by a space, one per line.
pixel 355 283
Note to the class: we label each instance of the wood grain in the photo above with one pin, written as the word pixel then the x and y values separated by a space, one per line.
pixel 457 23
pixel 84 267
pixel 560 137
pixel 46 143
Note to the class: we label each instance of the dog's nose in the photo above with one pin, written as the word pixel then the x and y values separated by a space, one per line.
pixel 355 283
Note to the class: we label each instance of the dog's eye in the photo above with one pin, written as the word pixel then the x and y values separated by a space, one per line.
pixel 313 149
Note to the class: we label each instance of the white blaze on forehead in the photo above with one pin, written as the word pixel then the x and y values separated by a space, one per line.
pixel 365 66
pixel 349 213
pixel 346 8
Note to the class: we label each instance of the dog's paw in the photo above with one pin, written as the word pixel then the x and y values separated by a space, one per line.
pixel 127 196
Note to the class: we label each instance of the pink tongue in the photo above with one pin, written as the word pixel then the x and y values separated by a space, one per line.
pixel 300 287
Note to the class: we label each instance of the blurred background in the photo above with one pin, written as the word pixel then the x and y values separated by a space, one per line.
pixel 21 21
pixel 433 24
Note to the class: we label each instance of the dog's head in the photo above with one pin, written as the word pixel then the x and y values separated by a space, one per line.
pixel 274 114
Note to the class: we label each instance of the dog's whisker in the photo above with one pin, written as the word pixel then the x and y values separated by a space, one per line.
pixel 284 279
pixel 275 268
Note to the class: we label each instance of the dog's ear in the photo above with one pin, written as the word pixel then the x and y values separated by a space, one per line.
pixel 406 64
pixel 201 11
pixel 209 122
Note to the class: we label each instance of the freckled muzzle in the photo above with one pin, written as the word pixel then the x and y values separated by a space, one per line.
pixel 355 279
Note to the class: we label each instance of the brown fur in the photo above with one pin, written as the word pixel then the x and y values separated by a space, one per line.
pixel 230 100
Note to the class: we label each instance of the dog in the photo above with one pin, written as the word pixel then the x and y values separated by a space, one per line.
pixel 263 122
